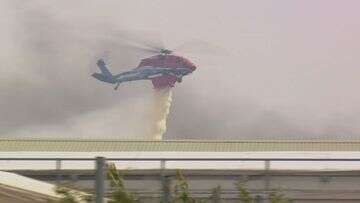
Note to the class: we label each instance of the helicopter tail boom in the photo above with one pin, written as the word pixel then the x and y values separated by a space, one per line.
pixel 103 78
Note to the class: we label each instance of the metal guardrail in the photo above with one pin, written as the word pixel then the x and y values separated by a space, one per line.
pixel 101 163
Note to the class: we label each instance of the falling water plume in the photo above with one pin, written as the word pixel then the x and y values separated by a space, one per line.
pixel 162 103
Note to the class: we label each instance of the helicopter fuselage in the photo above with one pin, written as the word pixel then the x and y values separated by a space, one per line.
pixel 151 73
pixel 162 70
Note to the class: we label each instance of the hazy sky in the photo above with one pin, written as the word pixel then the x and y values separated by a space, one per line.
pixel 291 69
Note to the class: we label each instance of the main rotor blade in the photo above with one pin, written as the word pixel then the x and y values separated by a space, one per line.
pixel 142 40
pixel 136 46
pixel 201 47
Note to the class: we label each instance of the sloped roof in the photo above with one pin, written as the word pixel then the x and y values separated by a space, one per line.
pixel 20 188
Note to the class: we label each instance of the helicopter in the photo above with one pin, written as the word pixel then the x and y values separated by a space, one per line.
pixel 163 69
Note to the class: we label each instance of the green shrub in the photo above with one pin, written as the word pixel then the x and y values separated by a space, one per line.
pixel 277 197
pixel 182 191
pixel 120 194
pixel 244 193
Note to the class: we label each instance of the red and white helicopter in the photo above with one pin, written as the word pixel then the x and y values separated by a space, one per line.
pixel 163 69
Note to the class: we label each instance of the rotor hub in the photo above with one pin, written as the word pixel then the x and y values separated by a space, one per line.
pixel 165 51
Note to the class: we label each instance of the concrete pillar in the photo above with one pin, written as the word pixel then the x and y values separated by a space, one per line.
pixel 258 199
pixel 165 184
pixel 166 192
pixel 58 171
pixel 216 197
pixel 100 175
pixel 267 175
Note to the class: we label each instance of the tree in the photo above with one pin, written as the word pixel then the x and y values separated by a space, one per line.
pixel 120 195
pixel 244 193
pixel 182 191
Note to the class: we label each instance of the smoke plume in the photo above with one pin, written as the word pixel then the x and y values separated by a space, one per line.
pixel 290 76
pixel 47 90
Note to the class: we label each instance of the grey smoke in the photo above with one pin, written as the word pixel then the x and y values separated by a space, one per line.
pixel 286 77
pixel 52 85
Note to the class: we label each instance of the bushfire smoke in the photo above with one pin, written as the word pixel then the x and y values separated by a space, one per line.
pixel 292 75
pixel 47 90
